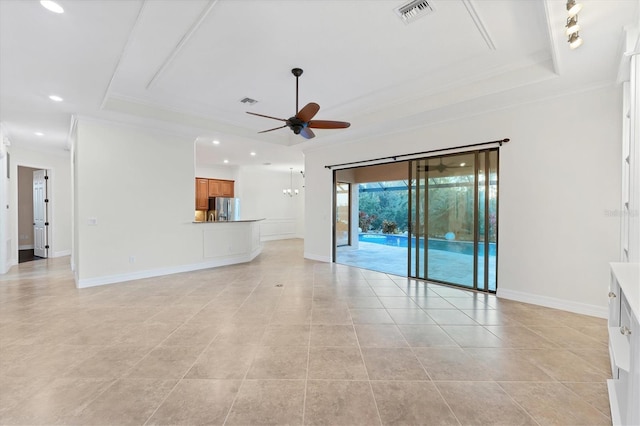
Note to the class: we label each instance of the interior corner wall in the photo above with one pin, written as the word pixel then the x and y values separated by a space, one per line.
pixel 133 200
pixel 559 176
pixel 260 193
pixel 59 187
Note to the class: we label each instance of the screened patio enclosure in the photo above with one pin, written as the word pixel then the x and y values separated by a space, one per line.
pixel 433 219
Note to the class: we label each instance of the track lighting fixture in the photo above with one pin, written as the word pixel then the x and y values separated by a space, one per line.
pixel 572 25
pixel 572 29
pixel 573 8
pixel 575 41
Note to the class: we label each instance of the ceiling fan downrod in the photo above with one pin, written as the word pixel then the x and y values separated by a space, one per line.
pixel 297 72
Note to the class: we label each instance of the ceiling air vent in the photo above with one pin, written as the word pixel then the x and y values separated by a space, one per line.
pixel 248 101
pixel 413 10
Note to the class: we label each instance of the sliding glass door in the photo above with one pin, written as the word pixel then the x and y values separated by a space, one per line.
pixel 453 216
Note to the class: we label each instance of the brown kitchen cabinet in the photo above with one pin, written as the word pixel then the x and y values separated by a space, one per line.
pixel 214 188
pixel 221 188
pixel 202 194
pixel 226 187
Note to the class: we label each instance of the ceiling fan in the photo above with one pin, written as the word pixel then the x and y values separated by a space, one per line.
pixel 302 122
pixel 441 167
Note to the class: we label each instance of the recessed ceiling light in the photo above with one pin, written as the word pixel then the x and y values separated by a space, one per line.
pixel 225 161
pixel 253 154
pixel 56 98
pixel 52 6
pixel 39 134
pixel 216 142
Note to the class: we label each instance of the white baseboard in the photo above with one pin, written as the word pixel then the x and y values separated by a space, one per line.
pixel 61 253
pixel 311 256
pixel 281 237
pixel 10 264
pixel 137 275
pixel 552 302
pixel 277 237
pixel 26 247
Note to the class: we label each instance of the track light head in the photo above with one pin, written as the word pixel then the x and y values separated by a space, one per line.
pixel 573 8
pixel 572 25
pixel 574 41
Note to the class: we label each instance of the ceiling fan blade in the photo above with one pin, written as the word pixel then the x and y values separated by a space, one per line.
pixel 266 116
pixel 275 128
pixel 309 110
pixel 307 133
pixel 328 124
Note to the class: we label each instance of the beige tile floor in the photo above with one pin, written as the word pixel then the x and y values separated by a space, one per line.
pixel 284 340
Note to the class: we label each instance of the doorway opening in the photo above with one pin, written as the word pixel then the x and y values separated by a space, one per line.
pixel 378 217
pixel 433 218
pixel 33 214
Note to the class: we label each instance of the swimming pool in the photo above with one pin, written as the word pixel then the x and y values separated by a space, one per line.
pixel 462 247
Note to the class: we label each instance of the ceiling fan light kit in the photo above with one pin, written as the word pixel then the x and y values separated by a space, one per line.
pixel 301 123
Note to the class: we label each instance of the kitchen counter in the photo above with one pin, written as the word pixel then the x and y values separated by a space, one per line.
pixel 230 242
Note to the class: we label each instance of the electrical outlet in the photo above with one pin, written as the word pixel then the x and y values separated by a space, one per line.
pixel 132 259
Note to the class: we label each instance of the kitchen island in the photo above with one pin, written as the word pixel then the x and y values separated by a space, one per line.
pixel 230 242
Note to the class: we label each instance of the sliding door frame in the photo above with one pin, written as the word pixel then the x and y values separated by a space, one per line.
pixel 415 231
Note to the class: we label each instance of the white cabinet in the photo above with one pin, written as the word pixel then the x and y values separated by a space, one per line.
pixel 624 343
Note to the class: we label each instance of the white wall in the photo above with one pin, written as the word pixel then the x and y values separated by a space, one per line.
pixel 59 187
pixel 138 185
pixel 558 176
pixel 5 228
pixel 228 173
pixel 260 193
pixel 133 208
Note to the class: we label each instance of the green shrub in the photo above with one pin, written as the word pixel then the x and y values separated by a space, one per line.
pixel 389 227
pixel 364 220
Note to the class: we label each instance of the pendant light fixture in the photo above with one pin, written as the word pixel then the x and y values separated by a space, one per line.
pixel 290 191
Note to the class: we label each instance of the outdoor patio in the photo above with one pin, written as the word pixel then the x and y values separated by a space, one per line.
pixel 445 266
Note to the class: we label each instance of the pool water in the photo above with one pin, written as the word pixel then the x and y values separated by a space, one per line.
pixel 462 247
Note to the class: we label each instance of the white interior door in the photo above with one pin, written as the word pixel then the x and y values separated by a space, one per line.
pixel 40 243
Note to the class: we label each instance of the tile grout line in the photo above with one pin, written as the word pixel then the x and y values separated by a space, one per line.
pixel 244 378
pixel 199 355
pixel 517 403
pixel 583 399
pixel 366 370
pixel 427 371
pixel 306 379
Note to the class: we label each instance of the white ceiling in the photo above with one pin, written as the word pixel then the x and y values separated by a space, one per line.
pixel 185 65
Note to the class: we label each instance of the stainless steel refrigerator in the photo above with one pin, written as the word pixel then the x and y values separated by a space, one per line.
pixel 225 209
